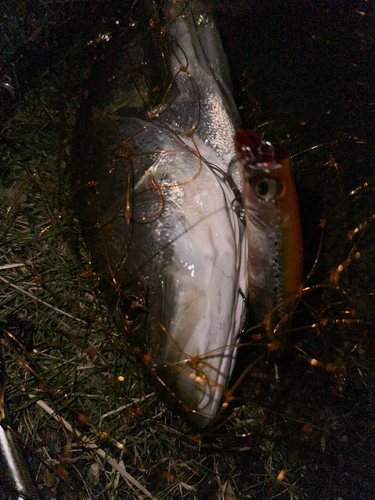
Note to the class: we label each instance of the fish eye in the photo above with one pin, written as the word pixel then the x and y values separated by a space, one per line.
pixel 130 308
pixel 266 189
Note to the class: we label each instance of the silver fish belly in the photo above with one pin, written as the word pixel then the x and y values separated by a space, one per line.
pixel 149 164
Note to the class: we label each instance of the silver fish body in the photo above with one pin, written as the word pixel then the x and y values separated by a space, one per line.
pixel 149 164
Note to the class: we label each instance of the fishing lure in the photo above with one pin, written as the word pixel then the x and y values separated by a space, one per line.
pixel 273 227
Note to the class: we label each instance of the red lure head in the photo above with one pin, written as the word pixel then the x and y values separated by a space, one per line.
pixel 254 152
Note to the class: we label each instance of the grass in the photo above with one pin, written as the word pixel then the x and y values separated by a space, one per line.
pixel 301 424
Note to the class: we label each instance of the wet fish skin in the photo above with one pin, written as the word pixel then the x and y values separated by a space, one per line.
pixel 273 227
pixel 169 250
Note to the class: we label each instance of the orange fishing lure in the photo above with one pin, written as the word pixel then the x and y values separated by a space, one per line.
pixel 273 226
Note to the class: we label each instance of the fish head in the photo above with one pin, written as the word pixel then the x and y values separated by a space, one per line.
pixel 174 275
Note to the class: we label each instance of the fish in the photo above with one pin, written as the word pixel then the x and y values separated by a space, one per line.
pixel 273 228
pixel 157 206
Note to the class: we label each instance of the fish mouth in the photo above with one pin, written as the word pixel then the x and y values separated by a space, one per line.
pixel 198 384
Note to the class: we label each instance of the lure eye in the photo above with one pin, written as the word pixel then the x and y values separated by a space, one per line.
pixel 266 189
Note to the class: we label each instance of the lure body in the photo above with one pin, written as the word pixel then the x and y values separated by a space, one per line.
pixel 273 227
pixel 153 141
